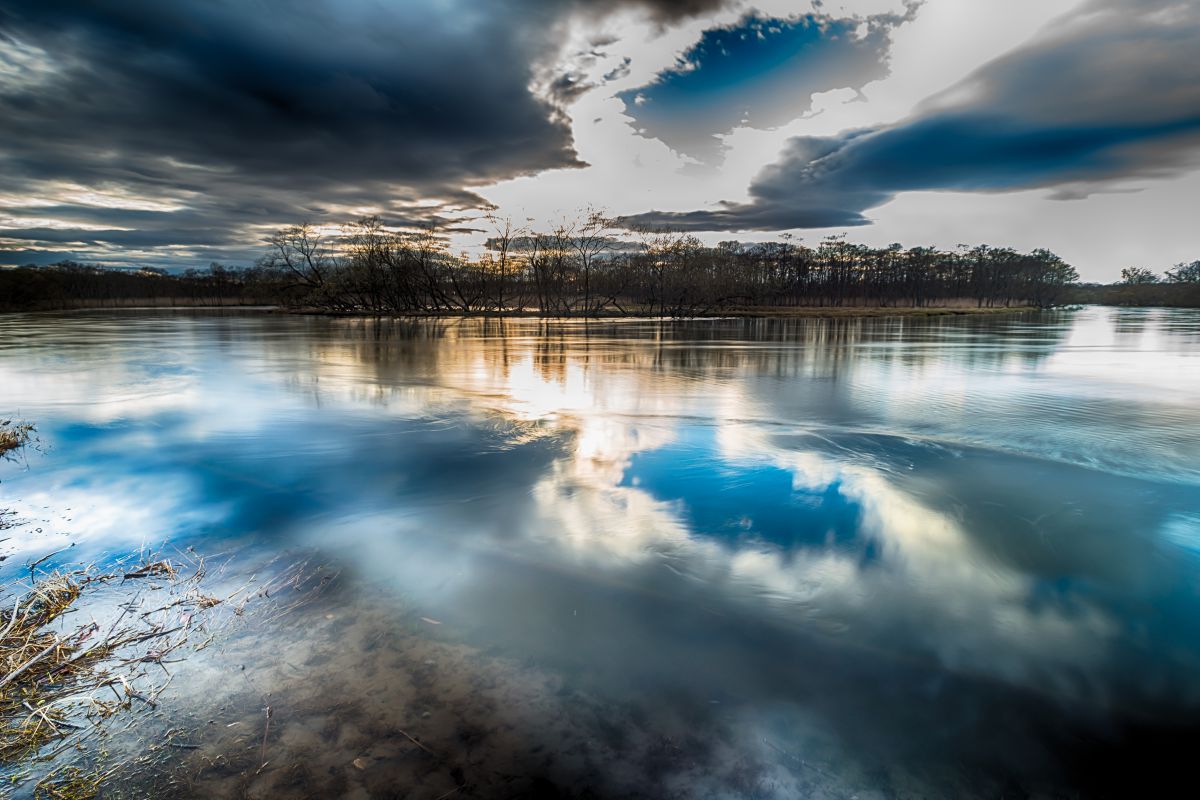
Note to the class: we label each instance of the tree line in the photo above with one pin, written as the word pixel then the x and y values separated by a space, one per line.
pixel 70 284
pixel 587 267
pixel 1178 286
pixel 591 267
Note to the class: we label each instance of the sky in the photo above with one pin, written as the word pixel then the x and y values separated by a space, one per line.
pixel 177 134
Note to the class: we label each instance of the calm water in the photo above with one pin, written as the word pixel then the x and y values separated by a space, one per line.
pixel 762 558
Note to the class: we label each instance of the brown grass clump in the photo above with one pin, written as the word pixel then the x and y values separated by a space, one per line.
pixel 61 684
pixel 72 783
pixel 14 436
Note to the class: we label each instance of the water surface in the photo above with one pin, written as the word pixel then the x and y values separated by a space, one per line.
pixel 943 557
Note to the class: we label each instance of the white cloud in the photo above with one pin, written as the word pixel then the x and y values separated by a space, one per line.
pixel 947 40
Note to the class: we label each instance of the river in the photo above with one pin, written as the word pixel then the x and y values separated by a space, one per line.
pixel 893 557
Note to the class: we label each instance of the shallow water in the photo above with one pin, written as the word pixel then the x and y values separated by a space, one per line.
pixel 942 557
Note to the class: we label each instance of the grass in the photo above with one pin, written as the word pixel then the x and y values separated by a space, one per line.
pixel 82 648
pixel 873 311
pixel 14 436
pixel 739 312
pixel 61 683
pixel 72 783
pixel 64 685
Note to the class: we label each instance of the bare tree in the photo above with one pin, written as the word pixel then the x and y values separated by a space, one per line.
pixel 591 238
pixel 502 244
pixel 300 250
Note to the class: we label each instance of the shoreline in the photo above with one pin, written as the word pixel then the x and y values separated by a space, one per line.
pixel 766 312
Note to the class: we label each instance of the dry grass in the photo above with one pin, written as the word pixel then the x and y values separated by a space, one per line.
pixel 827 312
pixel 14 436
pixel 84 648
pixel 728 312
pixel 63 685
pixel 71 783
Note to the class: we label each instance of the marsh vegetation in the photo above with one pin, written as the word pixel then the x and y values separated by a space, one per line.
pixel 14 436
pixel 87 652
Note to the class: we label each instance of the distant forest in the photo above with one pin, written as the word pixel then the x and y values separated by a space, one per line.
pixel 590 269
pixel 1179 287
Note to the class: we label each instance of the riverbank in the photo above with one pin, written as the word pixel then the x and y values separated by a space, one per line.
pixel 872 311
pixel 1139 295
pixel 748 312
pixel 763 312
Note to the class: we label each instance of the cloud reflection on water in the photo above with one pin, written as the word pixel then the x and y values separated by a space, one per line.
pixel 924 516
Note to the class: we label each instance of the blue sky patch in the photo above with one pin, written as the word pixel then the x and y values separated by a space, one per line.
pixel 761 72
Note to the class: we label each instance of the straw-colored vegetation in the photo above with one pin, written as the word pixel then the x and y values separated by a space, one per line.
pixel 80 650
pixel 60 683
pixel 14 436
pixel 84 648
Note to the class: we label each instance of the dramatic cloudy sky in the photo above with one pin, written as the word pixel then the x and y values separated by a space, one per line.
pixel 178 133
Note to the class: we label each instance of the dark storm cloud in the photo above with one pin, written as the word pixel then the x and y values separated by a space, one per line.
pixel 759 72
pixel 118 237
pixel 271 112
pixel 662 11
pixel 1112 93
pixel 18 256
pixel 287 98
